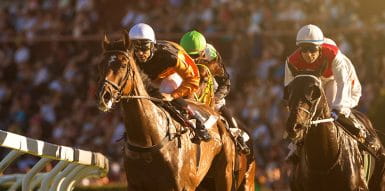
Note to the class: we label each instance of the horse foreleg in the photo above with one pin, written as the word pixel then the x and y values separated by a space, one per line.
pixel 248 184
pixel 377 181
pixel 223 177
pixel 224 168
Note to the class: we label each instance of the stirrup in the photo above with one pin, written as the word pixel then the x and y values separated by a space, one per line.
pixel 242 146
pixel 203 134
pixel 200 136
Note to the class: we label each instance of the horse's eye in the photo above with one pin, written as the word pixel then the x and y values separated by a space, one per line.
pixel 316 93
pixel 312 93
pixel 123 65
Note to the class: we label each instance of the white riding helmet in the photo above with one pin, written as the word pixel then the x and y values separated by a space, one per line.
pixel 142 31
pixel 329 41
pixel 310 34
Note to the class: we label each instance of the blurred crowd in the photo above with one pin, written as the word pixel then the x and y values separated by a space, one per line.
pixel 49 50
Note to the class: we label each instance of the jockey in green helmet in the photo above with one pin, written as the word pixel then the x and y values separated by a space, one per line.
pixel 204 53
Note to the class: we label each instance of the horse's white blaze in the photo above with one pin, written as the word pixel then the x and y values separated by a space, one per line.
pixel 109 104
pixel 112 59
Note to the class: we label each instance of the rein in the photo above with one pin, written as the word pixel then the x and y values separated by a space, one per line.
pixel 142 97
pixel 130 146
pixel 155 147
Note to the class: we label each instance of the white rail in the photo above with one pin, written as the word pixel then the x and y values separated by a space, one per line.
pixel 74 165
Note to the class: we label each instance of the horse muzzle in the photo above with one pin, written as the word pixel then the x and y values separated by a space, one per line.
pixel 295 131
pixel 107 97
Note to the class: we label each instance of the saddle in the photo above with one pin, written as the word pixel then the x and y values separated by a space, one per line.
pixel 183 117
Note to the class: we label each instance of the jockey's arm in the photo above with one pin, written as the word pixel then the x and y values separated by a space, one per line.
pixel 223 87
pixel 356 90
pixel 187 69
pixel 288 74
pixel 222 78
pixel 342 75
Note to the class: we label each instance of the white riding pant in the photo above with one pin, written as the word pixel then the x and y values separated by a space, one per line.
pixel 170 83
pixel 330 88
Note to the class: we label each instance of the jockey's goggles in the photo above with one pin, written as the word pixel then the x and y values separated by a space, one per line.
pixel 309 48
pixel 197 56
pixel 142 45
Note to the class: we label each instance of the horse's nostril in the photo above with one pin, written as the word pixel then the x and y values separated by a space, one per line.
pixel 106 96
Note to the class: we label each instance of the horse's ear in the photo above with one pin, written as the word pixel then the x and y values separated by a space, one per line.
pixel 126 39
pixel 106 41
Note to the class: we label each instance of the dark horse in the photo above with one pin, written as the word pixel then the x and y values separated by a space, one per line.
pixel 158 155
pixel 329 158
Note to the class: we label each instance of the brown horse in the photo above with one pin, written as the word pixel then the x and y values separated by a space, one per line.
pixel 158 155
pixel 329 158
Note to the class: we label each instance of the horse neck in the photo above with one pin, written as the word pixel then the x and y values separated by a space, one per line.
pixel 321 141
pixel 145 122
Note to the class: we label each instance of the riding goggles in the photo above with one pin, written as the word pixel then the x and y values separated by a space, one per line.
pixel 309 48
pixel 142 46
pixel 198 56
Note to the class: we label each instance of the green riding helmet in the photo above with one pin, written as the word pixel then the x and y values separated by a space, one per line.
pixel 193 42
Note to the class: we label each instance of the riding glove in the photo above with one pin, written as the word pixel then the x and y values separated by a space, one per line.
pixel 335 114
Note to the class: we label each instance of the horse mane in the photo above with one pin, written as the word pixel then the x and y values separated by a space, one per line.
pixel 147 82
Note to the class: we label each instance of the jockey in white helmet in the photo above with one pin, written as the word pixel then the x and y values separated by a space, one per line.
pixel 345 89
pixel 339 79
pixel 170 68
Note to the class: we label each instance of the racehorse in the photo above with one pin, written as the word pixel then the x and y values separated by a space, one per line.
pixel 329 158
pixel 158 154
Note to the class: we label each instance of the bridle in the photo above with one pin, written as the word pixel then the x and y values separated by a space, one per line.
pixel 313 110
pixel 125 79
pixel 120 96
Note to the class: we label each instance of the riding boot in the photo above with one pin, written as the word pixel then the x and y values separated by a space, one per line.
pixel 351 127
pixel 243 146
pixel 368 140
pixel 200 130
pixel 239 141
pixel 229 117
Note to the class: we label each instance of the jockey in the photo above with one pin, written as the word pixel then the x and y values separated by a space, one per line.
pixel 205 54
pixel 170 68
pixel 340 82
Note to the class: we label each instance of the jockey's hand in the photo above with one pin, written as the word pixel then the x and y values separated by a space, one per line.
pixel 167 97
pixel 216 100
pixel 335 114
